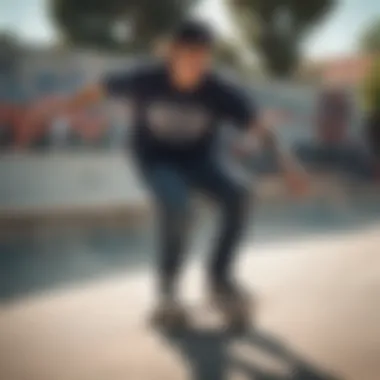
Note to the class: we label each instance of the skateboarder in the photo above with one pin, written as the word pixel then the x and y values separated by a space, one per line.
pixel 179 103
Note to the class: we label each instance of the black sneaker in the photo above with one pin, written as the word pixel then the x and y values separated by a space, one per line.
pixel 169 314
pixel 234 303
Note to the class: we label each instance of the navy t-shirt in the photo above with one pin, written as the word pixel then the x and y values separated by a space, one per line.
pixel 174 124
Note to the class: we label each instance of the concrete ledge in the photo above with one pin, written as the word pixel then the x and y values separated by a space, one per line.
pixel 93 188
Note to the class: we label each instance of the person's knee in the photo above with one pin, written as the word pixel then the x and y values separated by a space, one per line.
pixel 170 192
pixel 236 196
pixel 174 214
pixel 175 203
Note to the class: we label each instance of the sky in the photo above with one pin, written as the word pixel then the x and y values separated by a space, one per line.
pixel 336 35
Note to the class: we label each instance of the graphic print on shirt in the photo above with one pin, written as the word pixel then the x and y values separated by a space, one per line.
pixel 177 123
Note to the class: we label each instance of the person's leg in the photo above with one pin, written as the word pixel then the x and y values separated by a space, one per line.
pixel 232 195
pixel 170 193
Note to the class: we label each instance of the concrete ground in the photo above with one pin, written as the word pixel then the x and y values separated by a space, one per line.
pixel 317 317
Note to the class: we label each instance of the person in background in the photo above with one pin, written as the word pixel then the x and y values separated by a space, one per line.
pixel 180 102
pixel 59 132
pixel 334 113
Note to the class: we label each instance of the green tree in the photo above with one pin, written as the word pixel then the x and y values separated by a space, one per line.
pixel 276 28
pixel 117 24
pixel 226 53
pixel 370 40
pixel 11 51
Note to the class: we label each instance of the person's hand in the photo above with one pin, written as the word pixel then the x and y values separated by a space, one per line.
pixel 245 147
pixel 275 117
pixel 298 182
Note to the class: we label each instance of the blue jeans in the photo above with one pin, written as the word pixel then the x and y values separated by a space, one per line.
pixel 172 184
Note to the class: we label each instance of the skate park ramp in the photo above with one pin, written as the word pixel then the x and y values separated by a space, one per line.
pixel 71 218
pixel 74 301
pixel 317 318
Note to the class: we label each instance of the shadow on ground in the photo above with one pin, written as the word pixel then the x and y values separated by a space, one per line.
pixel 210 355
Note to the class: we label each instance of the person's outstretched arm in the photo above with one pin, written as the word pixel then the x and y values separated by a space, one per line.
pixel 84 98
pixel 241 109
pixel 114 85
pixel 262 132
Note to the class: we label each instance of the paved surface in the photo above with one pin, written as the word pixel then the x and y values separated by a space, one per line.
pixel 318 312
pixel 318 301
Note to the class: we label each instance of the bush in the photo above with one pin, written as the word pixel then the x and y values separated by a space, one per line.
pixel 372 87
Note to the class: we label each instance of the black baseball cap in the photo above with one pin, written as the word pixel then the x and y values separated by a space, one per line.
pixel 193 32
